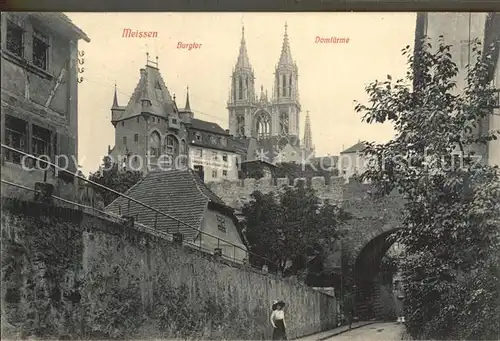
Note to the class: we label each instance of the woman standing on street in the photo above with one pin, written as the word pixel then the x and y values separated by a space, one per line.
pixel 278 321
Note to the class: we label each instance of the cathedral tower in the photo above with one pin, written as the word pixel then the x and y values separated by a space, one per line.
pixel 286 106
pixel 273 121
pixel 242 93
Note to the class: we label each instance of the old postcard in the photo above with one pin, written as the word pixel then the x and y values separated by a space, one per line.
pixel 250 176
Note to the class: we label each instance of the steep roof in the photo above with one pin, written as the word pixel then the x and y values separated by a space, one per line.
pixel 211 127
pixel 151 87
pixel 358 147
pixel 178 193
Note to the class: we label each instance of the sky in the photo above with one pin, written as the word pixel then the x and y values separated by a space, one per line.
pixel 331 76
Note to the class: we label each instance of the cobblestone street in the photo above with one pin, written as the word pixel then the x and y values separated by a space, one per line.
pixel 373 332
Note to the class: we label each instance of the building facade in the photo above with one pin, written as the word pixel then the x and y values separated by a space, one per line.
pixel 150 131
pixel 352 161
pixel 211 151
pixel 40 76
pixel 460 30
pixel 273 120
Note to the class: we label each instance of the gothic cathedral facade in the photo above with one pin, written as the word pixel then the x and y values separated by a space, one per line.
pixel 274 122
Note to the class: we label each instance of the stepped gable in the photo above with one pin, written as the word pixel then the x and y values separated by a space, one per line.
pixel 178 193
pixel 151 86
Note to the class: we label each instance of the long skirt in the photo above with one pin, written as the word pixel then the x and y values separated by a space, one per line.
pixel 279 332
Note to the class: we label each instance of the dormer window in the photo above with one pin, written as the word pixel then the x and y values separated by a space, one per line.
pixel 145 103
pixel 223 141
pixel 174 121
pixel 197 136
pixel 213 139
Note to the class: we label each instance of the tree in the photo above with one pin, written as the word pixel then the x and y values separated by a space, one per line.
pixel 452 212
pixel 112 177
pixel 290 226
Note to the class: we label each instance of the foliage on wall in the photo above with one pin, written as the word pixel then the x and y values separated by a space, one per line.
pixel 81 277
pixel 40 277
pixel 115 309
pixel 451 231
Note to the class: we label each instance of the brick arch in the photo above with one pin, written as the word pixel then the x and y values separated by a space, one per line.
pixel 369 258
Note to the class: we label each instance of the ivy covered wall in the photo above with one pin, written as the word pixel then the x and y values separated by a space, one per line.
pixel 72 275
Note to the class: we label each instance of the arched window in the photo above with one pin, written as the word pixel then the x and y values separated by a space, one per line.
pixel 154 144
pixel 240 88
pixel 283 85
pixel 172 145
pixel 263 126
pixel 290 86
pixel 246 87
pixel 241 125
pixel 183 147
pixel 284 123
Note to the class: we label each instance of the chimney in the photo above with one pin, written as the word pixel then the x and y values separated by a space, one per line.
pixel 227 131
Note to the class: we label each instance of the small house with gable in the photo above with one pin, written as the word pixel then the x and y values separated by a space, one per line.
pixel 189 207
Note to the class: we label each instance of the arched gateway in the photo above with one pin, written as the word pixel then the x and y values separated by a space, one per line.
pixel 369 232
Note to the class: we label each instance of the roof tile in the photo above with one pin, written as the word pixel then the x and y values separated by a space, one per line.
pixel 178 193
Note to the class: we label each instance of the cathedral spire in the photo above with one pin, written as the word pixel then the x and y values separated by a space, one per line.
pixel 115 99
pixel 187 107
pixel 286 54
pixel 307 133
pixel 243 60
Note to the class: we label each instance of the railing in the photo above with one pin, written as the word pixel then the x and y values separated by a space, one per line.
pixel 264 263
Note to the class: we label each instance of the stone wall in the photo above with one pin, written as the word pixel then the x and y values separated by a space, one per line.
pixel 239 191
pixel 371 216
pixel 70 273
